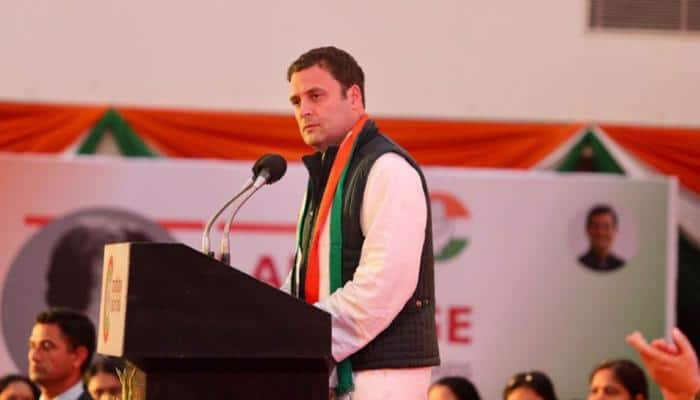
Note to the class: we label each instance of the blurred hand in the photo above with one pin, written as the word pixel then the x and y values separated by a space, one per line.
pixel 673 366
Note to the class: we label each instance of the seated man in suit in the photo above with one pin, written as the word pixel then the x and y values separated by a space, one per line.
pixel 601 227
pixel 61 346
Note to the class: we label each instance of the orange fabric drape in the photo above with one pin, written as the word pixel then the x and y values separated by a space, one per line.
pixel 671 151
pixel 205 134
pixel 477 144
pixel 44 128
pixel 245 136
pixel 432 142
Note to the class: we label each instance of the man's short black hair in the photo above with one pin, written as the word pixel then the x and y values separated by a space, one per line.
pixel 601 209
pixel 76 327
pixel 338 62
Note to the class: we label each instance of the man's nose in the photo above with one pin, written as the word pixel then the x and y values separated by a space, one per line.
pixel 32 355
pixel 305 108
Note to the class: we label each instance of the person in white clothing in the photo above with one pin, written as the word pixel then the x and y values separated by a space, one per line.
pixel 364 248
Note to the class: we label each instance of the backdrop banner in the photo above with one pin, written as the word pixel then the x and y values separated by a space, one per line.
pixel 519 286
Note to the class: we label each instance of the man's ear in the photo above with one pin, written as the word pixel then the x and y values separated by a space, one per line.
pixel 355 95
pixel 81 354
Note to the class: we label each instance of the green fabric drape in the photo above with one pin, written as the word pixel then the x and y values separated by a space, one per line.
pixel 602 160
pixel 688 283
pixel 128 142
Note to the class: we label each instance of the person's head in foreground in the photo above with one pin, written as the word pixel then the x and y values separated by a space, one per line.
pixel 18 387
pixel 453 388
pixel 618 380
pixel 533 385
pixel 102 379
pixel 61 346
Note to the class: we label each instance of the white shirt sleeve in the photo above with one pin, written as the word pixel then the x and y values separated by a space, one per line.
pixel 393 218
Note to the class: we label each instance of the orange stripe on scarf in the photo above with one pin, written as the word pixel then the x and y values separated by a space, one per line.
pixel 312 286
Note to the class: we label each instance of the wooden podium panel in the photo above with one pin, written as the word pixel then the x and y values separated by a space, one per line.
pixel 200 329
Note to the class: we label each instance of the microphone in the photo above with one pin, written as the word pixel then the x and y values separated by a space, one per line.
pixel 267 170
pixel 271 165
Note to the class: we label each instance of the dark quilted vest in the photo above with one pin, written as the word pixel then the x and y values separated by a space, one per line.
pixel 411 339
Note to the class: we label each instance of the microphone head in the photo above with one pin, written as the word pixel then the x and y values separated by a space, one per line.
pixel 273 164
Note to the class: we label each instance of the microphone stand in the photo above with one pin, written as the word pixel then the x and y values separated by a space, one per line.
pixel 206 244
pixel 225 239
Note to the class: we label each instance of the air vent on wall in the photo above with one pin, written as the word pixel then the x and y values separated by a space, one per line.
pixel 694 15
pixel 667 15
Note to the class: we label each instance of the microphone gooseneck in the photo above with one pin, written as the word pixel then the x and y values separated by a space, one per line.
pixel 267 170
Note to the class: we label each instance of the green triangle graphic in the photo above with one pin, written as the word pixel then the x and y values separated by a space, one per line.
pixel 128 142
pixel 603 161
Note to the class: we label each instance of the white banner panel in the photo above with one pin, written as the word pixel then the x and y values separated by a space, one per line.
pixel 511 290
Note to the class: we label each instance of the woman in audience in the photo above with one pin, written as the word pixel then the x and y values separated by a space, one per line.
pixel 533 385
pixel 102 380
pixel 18 387
pixel 618 380
pixel 453 388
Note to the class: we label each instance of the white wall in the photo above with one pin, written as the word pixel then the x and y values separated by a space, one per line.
pixel 495 59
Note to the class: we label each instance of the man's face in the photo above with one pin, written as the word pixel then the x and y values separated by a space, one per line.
pixel 324 112
pixel 601 232
pixel 51 358
pixel 104 386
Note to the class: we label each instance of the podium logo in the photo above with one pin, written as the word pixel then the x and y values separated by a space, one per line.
pixel 449 226
pixel 107 300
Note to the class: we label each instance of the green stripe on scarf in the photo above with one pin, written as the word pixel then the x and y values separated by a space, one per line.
pixel 344 368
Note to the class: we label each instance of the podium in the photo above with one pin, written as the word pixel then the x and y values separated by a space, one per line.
pixel 199 329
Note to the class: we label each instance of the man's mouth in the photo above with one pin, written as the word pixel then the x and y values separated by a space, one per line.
pixel 36 369
pixel 310 126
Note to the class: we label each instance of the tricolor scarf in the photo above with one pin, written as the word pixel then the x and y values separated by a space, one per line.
pixel 331 203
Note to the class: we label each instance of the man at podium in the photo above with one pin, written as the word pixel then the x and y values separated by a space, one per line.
pixel 364 241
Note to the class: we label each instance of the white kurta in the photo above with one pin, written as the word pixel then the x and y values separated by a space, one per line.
pixel 393 219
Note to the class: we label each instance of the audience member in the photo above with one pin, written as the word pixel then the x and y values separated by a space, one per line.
pixel 18 387
pixel 453 388
pixel 618 380
pixel 61 345
pixel 102 379
pixel 532 385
